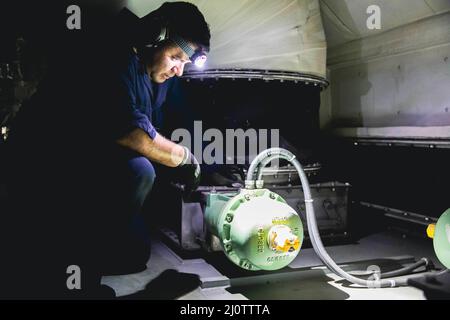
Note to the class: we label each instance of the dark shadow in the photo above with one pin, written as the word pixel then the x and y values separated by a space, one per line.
pixel 169 285
pixel 312 286
pixel 220 261
pixel 434 287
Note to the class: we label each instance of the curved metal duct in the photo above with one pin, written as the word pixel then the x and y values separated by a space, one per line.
pixel 264 39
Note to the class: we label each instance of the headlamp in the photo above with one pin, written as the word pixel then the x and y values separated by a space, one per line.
pixel 198 57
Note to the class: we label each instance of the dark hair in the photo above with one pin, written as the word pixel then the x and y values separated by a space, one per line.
pixel 185 20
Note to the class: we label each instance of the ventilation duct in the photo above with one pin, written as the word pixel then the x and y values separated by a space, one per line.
pixel 260 38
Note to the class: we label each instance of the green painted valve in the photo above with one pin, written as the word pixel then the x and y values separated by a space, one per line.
pixel 440 233
pixel 258 230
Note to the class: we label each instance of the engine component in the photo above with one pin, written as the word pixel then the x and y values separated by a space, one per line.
pixel 440 233
pixel 263 159
pixel 257 229
pixel 186 228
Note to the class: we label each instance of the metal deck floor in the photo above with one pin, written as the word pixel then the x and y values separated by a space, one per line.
pixel 305 278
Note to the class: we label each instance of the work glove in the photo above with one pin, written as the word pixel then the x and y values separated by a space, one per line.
pixel 188 172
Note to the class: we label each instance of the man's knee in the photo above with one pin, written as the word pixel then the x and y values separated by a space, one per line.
pixel 144 174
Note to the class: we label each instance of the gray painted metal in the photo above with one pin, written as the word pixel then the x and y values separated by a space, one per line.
pixel 396 78
pixel 345 20
pixel 402 214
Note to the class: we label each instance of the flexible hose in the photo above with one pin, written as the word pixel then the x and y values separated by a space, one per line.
pixel 423 262
pixel 263 164
pixel 266 157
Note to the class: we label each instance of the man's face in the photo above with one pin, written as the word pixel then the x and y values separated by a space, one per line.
pixel 167 63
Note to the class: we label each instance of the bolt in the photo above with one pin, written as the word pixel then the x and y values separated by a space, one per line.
pixel 229 218
pixel 272 196
pixel 247 197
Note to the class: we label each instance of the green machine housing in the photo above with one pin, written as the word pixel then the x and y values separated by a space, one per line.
pixel 257 229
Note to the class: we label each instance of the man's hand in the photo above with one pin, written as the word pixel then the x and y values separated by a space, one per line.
pixel 189 172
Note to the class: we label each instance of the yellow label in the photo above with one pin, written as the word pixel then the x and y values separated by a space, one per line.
pixel 280 220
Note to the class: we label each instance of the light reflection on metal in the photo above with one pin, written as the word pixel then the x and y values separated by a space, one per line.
pixel 401 142
pixel 265 75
